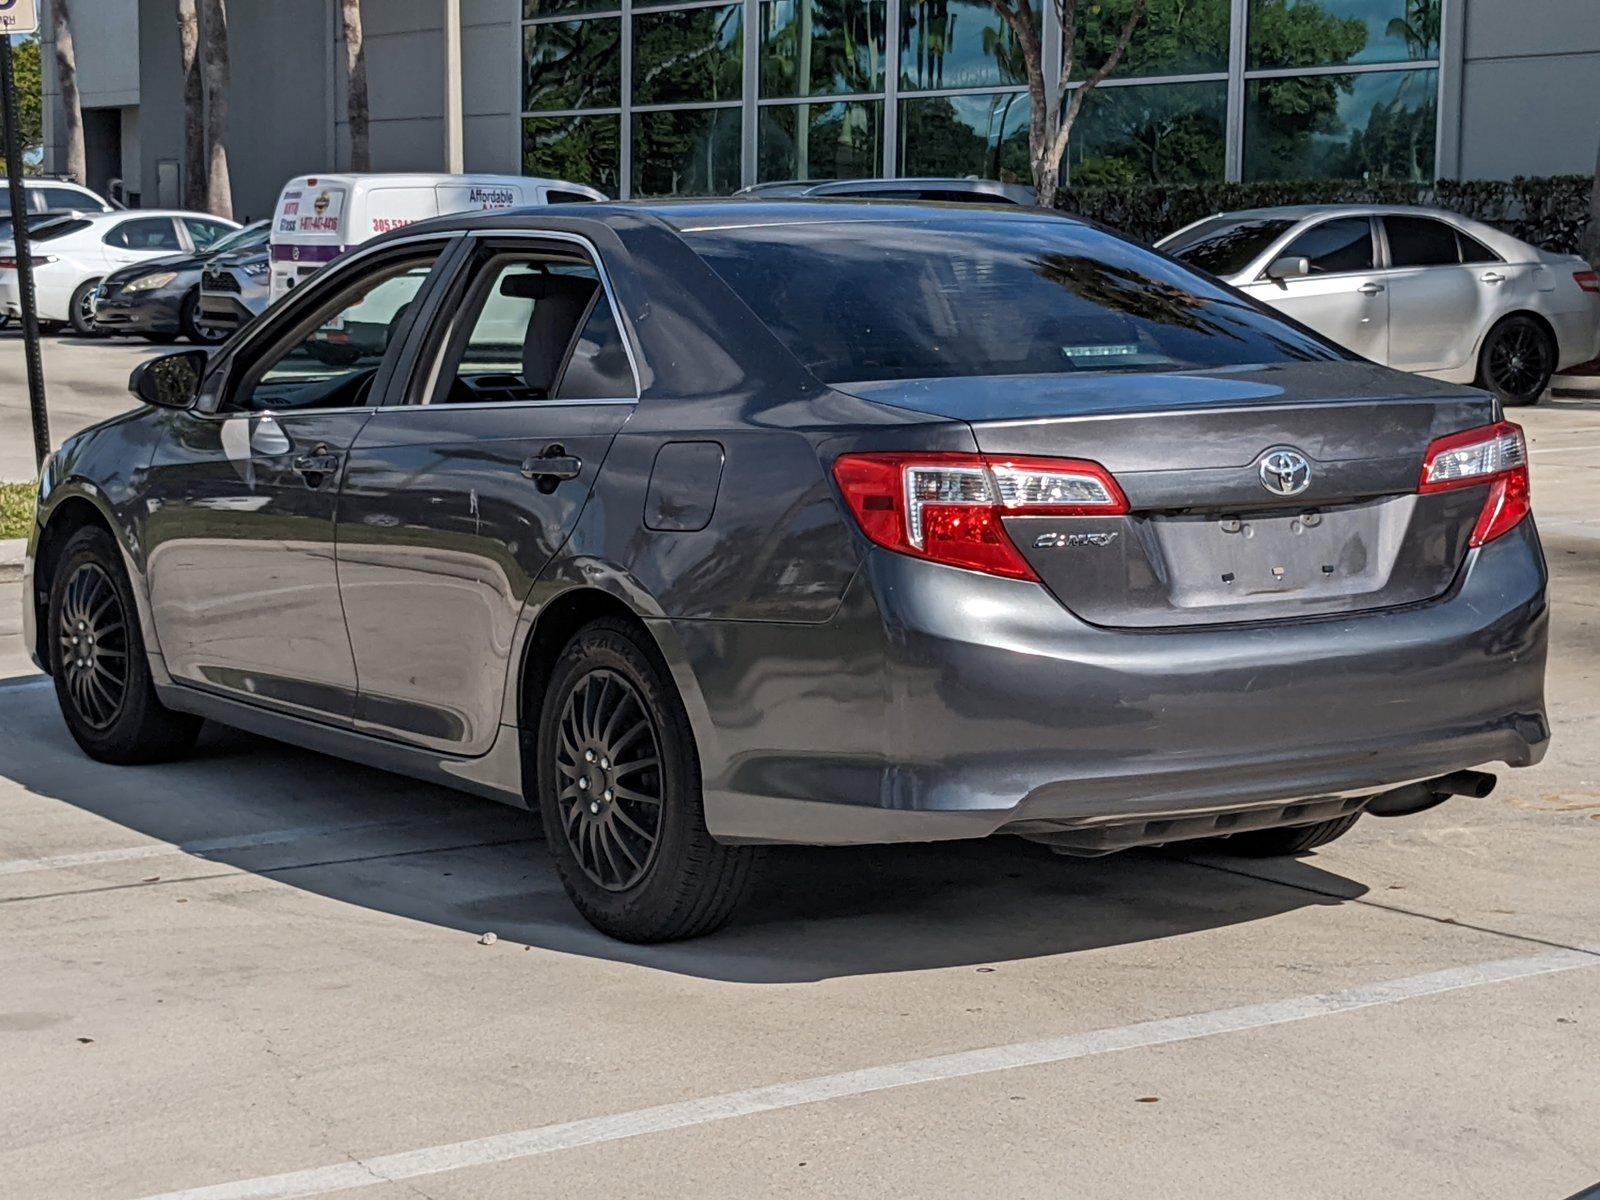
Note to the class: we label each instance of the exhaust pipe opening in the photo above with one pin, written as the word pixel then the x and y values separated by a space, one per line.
pixel 1419 797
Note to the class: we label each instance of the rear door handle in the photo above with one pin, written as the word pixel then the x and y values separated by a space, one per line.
pixel 1370 289
pixel 314 466
pixel 554 465
pixel 1492 277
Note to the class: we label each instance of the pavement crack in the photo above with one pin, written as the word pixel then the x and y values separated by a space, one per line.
pixel 1397 909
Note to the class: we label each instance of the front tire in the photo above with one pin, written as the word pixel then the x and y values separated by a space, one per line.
pixel 97 660
pixel 189 320
pixel 618 783
pixel 1282 842
pixel 1517 360
pixel 81 312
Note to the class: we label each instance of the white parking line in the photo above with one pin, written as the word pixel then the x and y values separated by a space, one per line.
pixel 1561 449
pixel 18 866
pixel 547 1139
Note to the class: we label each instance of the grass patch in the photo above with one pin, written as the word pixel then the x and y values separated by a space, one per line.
pixel 16 508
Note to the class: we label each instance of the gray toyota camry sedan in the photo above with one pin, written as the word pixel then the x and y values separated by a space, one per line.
pixel 698 526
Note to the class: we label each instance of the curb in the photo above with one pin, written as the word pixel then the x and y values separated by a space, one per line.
pixel 12 551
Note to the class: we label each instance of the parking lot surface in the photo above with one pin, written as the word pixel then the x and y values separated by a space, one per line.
pixel 261 972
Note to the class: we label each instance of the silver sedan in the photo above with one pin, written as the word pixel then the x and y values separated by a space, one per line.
pixel 1416 288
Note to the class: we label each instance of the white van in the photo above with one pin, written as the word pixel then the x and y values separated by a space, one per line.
pixel 319 217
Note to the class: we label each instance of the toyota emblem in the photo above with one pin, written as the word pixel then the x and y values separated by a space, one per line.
pixel 1285 472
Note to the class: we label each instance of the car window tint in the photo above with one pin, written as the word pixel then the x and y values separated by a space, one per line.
pixel 963 294
pixel 535 328
pixel 1474 251
pixel 1343 244
pixel 1420 242
pixel 334 353
pixel 557 196
pixel 69 198
pixel 1226 246
pixel 57 227
pixel 206 233
pixel 145 233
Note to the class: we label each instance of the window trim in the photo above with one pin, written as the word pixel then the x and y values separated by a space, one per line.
pixel 431 349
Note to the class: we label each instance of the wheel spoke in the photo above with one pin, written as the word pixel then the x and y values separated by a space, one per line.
pixel 637 797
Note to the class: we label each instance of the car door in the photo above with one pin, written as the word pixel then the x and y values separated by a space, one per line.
pixel 1439 303
pixel 1343 297
pixel 454 502
pixel 140 238
pixel 243 492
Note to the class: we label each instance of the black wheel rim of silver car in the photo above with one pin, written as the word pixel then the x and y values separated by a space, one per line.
pixel 1518 360
pixel 94 646
pixel 608 779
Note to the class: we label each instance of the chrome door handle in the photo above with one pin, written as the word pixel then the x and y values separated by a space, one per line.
pixel 551 467
pixel 1370 289
pixel 316 465
pixel 1492 277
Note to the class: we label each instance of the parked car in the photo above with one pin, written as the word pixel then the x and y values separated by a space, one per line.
pixel 1416 288
pixel 36 220
pixel 319 217
pixel 812 523
pixel 72 256
pixel 160 299
pixel 234 290
pixel 957 190
pixel 44 194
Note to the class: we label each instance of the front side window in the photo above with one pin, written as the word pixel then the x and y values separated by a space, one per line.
pixel 1333 247
pixel 206 234
pixel 534 328
pixel 145 233
pixel 957 296
pixel 1421 242
pixel 331 356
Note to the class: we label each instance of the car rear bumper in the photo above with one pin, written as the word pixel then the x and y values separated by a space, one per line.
pixel 967 705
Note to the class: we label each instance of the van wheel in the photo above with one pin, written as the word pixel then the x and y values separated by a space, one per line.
pixel 1281 842
pixel 97 660
pixel 81 311
pixel 1517 360
pixel 618 783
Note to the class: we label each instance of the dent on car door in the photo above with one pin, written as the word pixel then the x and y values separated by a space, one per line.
pixel 242 499
pixel 1343 297
pixel 452 504
pixel 1437 302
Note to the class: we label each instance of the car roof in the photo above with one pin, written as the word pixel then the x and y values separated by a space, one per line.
pixel 124 213
pixel 972 185
pixel 1496 239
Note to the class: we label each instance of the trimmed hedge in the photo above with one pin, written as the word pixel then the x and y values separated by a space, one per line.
pixel 1549 211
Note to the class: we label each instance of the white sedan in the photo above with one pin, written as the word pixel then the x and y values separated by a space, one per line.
pixel 1415 288
pixel 73 254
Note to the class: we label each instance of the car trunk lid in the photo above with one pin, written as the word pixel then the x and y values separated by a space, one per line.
pixel 1208 537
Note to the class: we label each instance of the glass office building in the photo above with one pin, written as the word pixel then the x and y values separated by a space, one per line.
pixel 696 97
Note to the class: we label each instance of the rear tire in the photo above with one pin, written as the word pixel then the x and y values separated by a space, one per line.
pixel 81 311
pixel 98 663
pixel 618 783
pixel 1517 360
pixel 1282 842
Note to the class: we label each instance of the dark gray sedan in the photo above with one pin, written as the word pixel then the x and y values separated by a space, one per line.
pixel 699 526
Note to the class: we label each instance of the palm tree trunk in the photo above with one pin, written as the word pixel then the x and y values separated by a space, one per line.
pixel 214 32
pixel 194 108
pixel 355 61
pixel 71 103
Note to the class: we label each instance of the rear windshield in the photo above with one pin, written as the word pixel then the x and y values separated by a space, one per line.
pixel 1226 245
pixel 60 227
pixel 962 295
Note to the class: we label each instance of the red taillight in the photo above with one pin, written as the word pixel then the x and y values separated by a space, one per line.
pixel 9 263
pixel 948 507
pixel 1494 454
pixel 1589 281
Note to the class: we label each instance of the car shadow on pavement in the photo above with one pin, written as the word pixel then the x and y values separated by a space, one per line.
pixel 427 854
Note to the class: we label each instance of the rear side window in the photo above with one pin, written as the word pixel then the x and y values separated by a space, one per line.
pixel 206 234
pixel 1474 251
pixel 145 233
pixel 1342 244
pixel 1421 242
pixel 1226 246
pixel 964 295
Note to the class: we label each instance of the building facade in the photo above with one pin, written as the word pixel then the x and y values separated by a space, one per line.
pixel 664 97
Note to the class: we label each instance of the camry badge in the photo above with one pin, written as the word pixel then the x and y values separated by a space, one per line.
pixel 1285 472
pixel 1050 541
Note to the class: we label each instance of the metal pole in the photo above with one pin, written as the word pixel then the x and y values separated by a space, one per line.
pixel 19 238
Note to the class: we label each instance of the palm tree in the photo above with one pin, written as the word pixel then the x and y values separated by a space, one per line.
pixel 215 71
pixel 71 104
pixel 355 61
pixel 194 107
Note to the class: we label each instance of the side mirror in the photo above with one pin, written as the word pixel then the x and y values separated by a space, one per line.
pixel 1289 268
pixel 171 381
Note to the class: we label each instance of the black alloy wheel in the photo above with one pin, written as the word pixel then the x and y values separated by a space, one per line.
pixel 1517 361
pixel 92 629
pixel 609 760
pixel 192 327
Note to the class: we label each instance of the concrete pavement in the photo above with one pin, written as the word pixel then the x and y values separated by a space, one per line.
pixel 259 972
